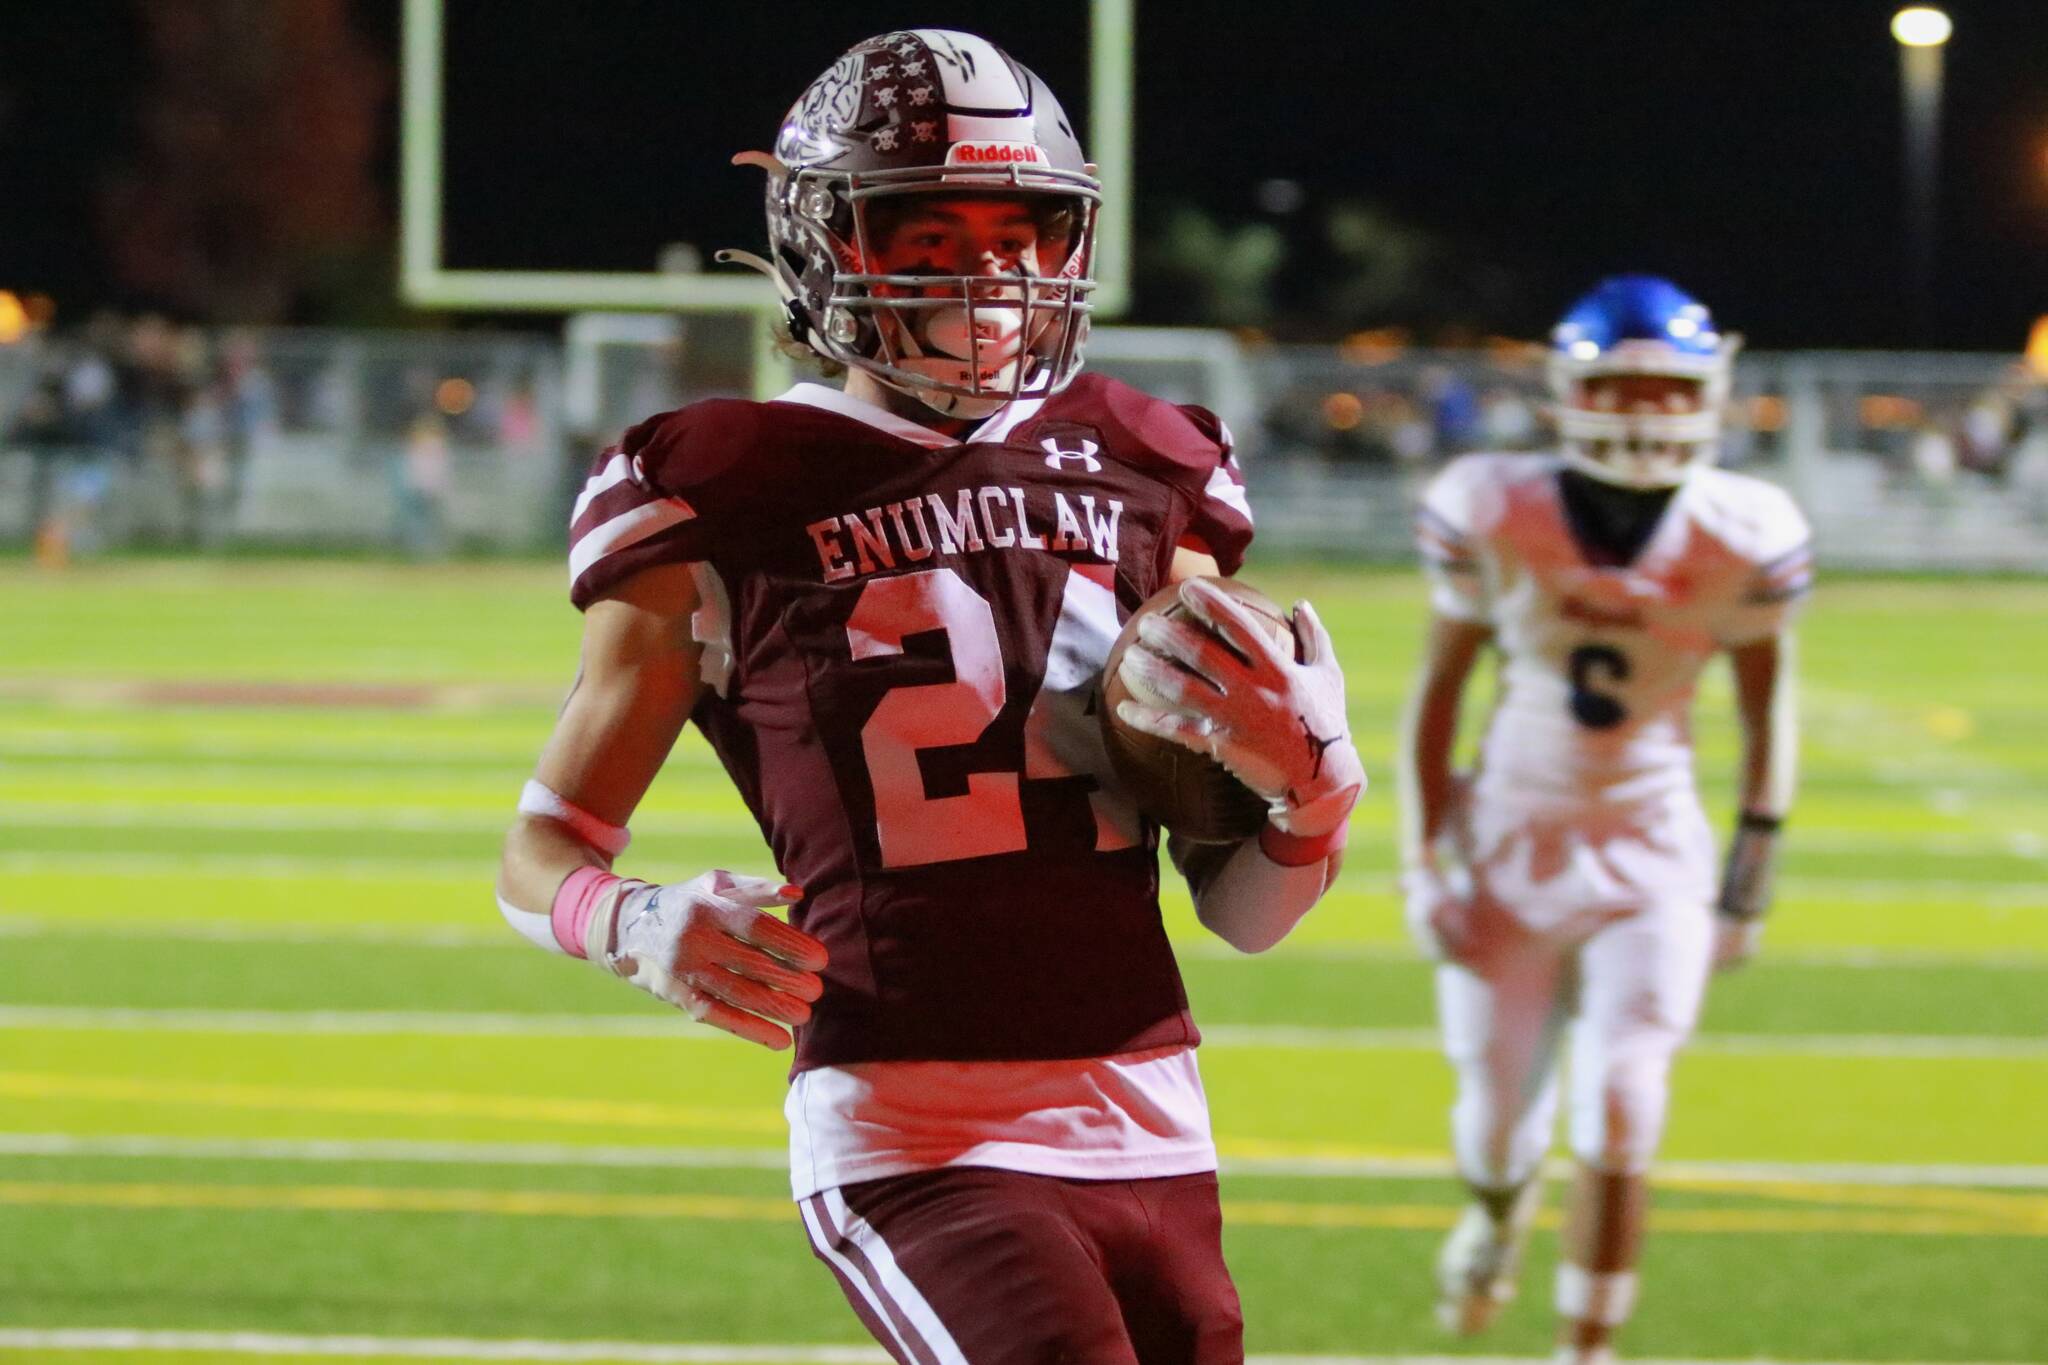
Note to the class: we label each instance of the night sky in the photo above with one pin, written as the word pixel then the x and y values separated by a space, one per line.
pixel 1749 149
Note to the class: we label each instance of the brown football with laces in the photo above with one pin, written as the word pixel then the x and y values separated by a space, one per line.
pixel 1191 794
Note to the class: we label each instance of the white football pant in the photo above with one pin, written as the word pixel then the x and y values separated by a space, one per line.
pixel 1628 994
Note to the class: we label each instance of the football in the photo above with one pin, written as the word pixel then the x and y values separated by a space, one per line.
pixel 1189 793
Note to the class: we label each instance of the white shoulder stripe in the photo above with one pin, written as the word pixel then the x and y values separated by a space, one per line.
pixel 1428 519
pixel 616 471
pixel 1229 492
pixel 625 529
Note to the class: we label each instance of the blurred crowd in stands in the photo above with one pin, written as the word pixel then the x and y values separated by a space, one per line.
pixel 183 409
pixel 2000 434
pixel 135 429
pixel 1412 416
pixel 120 392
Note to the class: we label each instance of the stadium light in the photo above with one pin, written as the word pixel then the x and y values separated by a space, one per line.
pixel 2037 348
pixel 13 319
pixel 1921 31
pixel 1921 26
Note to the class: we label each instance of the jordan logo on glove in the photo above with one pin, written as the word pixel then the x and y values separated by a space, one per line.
pixel 1316 746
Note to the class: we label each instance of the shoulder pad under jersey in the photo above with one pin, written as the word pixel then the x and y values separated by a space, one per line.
pixel 1185 446
pixel 1468 496
pixel 1756 520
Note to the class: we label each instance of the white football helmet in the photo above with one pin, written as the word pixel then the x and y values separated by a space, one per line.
pixel 1640 325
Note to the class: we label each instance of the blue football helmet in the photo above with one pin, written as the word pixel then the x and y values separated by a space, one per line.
pixel 1639 325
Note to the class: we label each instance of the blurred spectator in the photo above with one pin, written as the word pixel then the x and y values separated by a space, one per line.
pixel 69 422
pixel 204 465
pixel 1507 421
pixel 92 399
pixel 1934 456
pixel 519 428
pixel 1454 411
pixel 1409 432
pixel 250 400
pixel 2027 472
pixel 423 472
pixel 1996 423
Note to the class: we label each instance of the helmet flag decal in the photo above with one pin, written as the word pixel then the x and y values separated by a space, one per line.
pixel 922 112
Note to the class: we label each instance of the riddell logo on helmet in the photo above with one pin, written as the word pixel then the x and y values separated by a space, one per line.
pixel 995 154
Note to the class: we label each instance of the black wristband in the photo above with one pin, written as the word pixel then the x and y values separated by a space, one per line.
pixel 1746 875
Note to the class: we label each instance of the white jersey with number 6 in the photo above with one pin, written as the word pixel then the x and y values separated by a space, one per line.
pixel 1599 664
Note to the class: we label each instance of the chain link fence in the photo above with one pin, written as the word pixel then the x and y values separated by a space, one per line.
pixel 419 443
pixel 1902 461
pixel 427 443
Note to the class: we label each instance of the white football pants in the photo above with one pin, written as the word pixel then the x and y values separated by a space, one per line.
pixel 1628 992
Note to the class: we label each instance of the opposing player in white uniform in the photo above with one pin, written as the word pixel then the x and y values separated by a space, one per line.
pixel 1567 884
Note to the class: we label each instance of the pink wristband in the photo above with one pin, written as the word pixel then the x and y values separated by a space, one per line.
pixel 575 903
pixel 1292 850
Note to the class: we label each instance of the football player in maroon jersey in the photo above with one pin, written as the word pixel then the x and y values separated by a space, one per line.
pixel 887 607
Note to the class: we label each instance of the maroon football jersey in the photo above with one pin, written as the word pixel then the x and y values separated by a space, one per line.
pixel 903 638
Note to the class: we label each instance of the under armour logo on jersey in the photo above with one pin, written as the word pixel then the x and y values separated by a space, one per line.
pixel 1055 458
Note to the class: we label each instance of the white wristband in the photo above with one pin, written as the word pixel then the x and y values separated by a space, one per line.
pixel 536 798
pixel 535 929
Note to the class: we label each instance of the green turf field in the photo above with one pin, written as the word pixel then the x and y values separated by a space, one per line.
pixel 273 1072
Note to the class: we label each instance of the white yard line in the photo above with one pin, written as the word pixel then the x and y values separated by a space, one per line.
pixel 146 1147
pixel 2019 895
pixel 58 813
pixel 1902 1045
pixel 1901 890
pixel 430 1348
pixel 1956 844
pixel 623 1352
pixel 1311 1038
pixel 223 816
pixel 252 777
pixel 423 1023
pixel 1207 946
pixel 284 752
pixel 1904 957
pixel 1286 1037
pixel 1388 1166
pixel 266 865
pixel 1879 1174
pixel 489 933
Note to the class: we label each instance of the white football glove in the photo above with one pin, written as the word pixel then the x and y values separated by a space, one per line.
pixel 1735 941
pixel 1276 724
pixel 706 947
pixel 1438 914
